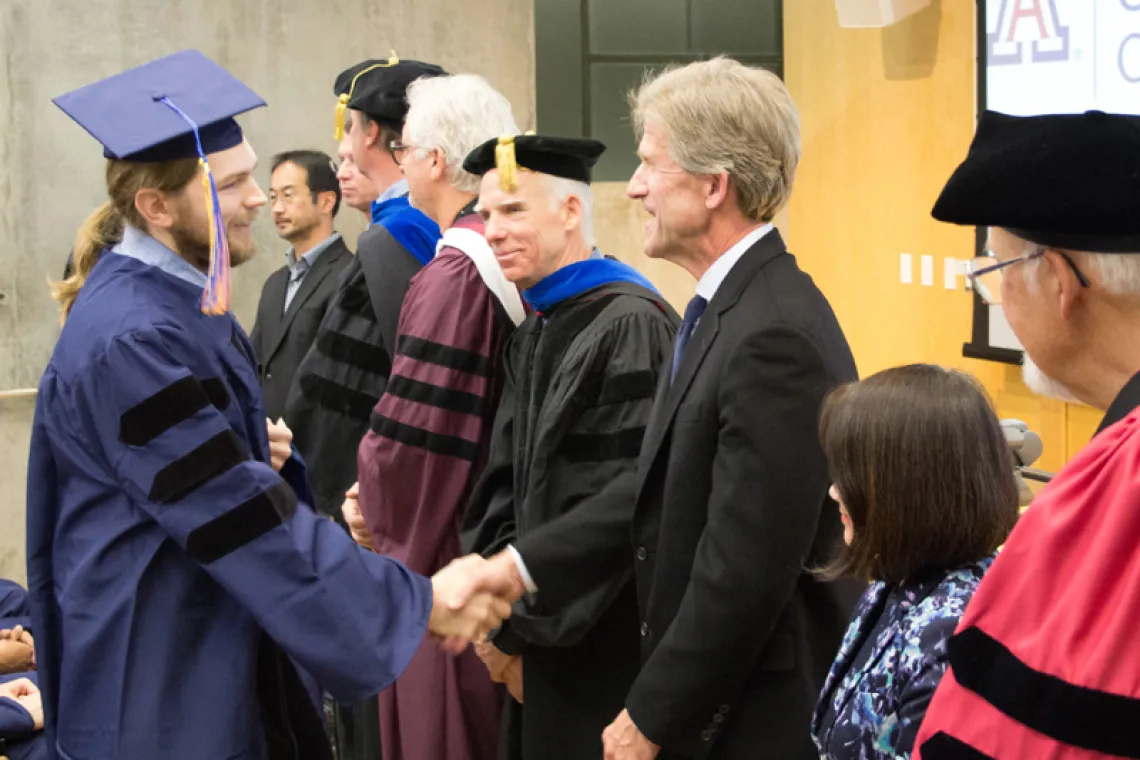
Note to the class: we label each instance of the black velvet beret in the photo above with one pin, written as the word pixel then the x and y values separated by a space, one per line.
pixel 568 157
pixel 379 88
pixel 1065 181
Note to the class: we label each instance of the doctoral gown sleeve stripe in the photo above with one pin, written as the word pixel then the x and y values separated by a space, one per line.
pixel 354 352
pixel 436 443
pixel 293 570
pixel 431 429
pixel 452 357
pixel 170 407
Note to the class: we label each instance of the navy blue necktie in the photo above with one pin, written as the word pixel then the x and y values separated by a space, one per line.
pixel 693 314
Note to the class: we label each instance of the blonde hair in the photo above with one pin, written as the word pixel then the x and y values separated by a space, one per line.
pixel 104 226
pixel 722 116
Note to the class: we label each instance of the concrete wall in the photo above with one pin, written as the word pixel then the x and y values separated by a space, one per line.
pixel 289 51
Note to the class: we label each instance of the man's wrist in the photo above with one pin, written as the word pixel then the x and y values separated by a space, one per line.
pixel 524 576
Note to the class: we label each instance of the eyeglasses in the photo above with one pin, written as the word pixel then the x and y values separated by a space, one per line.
pixel 399 151
pixel 288 195
pixel 985 277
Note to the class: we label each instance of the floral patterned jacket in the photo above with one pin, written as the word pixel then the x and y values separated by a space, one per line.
pixel 878 708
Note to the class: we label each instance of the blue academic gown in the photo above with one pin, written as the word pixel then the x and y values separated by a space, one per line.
pixel 176 581
pixel 13 605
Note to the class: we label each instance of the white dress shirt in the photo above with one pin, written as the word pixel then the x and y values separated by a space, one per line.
pixel 707 287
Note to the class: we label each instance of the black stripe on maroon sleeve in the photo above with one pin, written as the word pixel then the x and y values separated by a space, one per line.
pixel 943 746
pixel 602 447
pixel 444 356
pixel 1088 718
pixel 447 399
pixel 436 443
pixel 186 475
pixel 244 523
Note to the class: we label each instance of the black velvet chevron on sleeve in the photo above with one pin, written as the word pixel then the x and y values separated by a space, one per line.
pixel 241 525
pixel 169 408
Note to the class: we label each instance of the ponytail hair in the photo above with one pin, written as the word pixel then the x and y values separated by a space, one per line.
pixel 104 227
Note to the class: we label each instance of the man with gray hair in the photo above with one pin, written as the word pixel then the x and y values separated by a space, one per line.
pixel 728 508
pixel 430 431
pixel 1045 662
pixel 581 372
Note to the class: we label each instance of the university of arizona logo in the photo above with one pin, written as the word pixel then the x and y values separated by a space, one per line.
pixel 1027 21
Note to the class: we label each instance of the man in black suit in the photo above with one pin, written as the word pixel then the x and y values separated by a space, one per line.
pixel 728 509
pixel 304 196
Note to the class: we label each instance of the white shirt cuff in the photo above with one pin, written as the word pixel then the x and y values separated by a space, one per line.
pixel 528 582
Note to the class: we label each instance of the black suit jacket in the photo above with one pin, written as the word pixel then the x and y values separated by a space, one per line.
pixel 727 510
pixel 281 339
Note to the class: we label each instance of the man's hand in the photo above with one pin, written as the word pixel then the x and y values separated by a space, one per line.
pixel 469 601
pixel 280 443
pixel 24 692
pixel 469 575
pixel 623 741
pixel 17 651
pixel 355 519
pixel 19 633
pixel 504 668
pixel 513 678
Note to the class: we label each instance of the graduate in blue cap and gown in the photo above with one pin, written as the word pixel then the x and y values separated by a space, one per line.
pixel 180 587
pixel 581 373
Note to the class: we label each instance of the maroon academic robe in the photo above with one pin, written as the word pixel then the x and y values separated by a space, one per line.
pixel 428 443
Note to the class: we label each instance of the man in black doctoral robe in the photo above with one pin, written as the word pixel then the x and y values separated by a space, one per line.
pixel 344 374
pixel 581 372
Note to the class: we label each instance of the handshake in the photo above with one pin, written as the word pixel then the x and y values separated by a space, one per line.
pixel 472 596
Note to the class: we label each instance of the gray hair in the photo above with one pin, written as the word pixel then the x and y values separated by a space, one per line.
pixel 1117 274
pixel 457 114
pixel 722 116
pixel 559 189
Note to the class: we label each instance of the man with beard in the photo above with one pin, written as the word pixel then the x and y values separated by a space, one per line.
pixel 304 197
pixel 1045 662
pixel 431 430
pixel 580 377
pixel 180 588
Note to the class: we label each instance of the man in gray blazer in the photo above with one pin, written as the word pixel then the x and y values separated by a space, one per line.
pixel 304 197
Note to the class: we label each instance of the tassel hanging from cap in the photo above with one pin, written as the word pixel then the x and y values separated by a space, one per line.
pixel 216 296
pixel 342 101
pixel 506 163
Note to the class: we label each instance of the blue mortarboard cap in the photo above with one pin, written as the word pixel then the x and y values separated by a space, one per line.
pixel 128 115
pixel 180 106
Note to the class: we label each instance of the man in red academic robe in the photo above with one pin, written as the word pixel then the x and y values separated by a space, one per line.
pixel 1046 660
pixel 430 431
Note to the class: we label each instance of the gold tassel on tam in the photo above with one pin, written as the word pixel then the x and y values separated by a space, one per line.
pixel 506 164
pixel 342 101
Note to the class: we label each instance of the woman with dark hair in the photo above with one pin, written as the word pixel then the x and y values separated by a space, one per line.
pixel 926 492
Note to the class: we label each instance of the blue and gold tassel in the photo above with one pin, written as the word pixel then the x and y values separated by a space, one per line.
pixel 216 296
